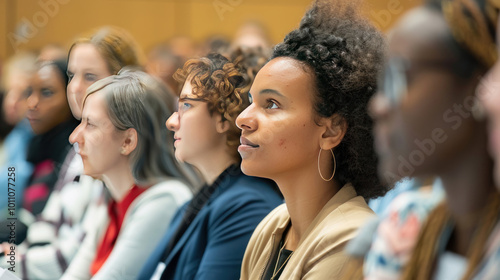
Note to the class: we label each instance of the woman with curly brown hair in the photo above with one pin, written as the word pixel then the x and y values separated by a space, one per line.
pixel 308 130
pixel 208 236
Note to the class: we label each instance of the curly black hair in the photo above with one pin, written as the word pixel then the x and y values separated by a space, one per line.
pixel 345 54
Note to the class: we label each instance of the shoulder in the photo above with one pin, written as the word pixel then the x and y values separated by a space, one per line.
pixel 169 189
pixel 275 219
pixel 165 196
pixel 342 224
pixel 278 218
pixel 247 198
pixel 338 224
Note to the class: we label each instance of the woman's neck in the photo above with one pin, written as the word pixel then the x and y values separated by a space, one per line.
pixel 119 181
pixel 305 195
pixel 468 183
pixel 211 166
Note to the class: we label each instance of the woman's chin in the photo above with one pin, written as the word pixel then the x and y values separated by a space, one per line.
pixel 93 175
pixel 250 170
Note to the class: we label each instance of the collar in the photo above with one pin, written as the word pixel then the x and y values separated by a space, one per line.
pixel 346 193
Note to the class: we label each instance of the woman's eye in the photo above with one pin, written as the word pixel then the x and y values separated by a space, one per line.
pixel 70 76
pixel 184 106
pixel 90 77
pixel 47 92
pixel 250 98
pixel 271 104
pixel 27 92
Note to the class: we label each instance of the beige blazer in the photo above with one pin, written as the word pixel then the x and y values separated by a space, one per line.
pixel 319 254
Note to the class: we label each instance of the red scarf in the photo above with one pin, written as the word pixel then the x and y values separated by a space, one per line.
pixel 116 212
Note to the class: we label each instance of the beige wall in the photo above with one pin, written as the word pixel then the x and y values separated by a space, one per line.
pixel 153 21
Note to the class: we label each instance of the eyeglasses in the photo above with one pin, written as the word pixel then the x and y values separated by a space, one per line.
pixel 183 106
pixel 398 72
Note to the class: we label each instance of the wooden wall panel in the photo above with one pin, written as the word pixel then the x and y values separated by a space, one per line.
pixel 151 21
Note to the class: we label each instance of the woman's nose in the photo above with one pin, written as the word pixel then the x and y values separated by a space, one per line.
pixel 32 101
pixel 75 136
pixel 246 119
pixel 172 123
pixel 75 86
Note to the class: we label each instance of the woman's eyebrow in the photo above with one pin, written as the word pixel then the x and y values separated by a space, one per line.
pixel 191 99
pixel 271 91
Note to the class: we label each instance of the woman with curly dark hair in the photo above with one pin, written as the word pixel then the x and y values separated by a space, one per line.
pixel 208 236
pixel 308 130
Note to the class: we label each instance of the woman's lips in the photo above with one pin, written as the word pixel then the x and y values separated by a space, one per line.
pixel 176 140
pixel 247 146
pixel 31 118
pixel 245 142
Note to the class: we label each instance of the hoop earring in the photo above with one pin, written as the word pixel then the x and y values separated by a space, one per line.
pixel 334 165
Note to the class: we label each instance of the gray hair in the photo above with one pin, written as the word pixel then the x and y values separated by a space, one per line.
pixel 139 101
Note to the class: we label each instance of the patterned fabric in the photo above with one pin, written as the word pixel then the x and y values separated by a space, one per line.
pixel 397 232
pixel 47 152
pixel 379 205
pixel 42 181
pixel 489 268
pixel 71 211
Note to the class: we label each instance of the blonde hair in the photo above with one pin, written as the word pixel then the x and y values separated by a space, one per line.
pixel 24 62
pixel 117 47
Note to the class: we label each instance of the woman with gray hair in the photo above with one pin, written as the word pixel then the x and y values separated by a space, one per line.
pixel 123 142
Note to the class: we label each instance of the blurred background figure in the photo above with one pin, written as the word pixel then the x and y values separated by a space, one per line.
pixel 51 120
pixel 489 94
pixel 17 74
pixel 183 46
pixel 162 63
pixel 52 52
pixel 252 34
pixel 96 56
pixel 215 44
pixel 429 123
pixel 77 200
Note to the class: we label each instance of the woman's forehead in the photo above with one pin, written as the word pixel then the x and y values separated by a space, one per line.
pixel 420 32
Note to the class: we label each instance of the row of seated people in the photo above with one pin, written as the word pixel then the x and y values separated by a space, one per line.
pixel 289 150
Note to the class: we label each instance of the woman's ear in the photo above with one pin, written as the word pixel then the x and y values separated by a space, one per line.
pixel 130 141
pixel 334 131
pixel 222 126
